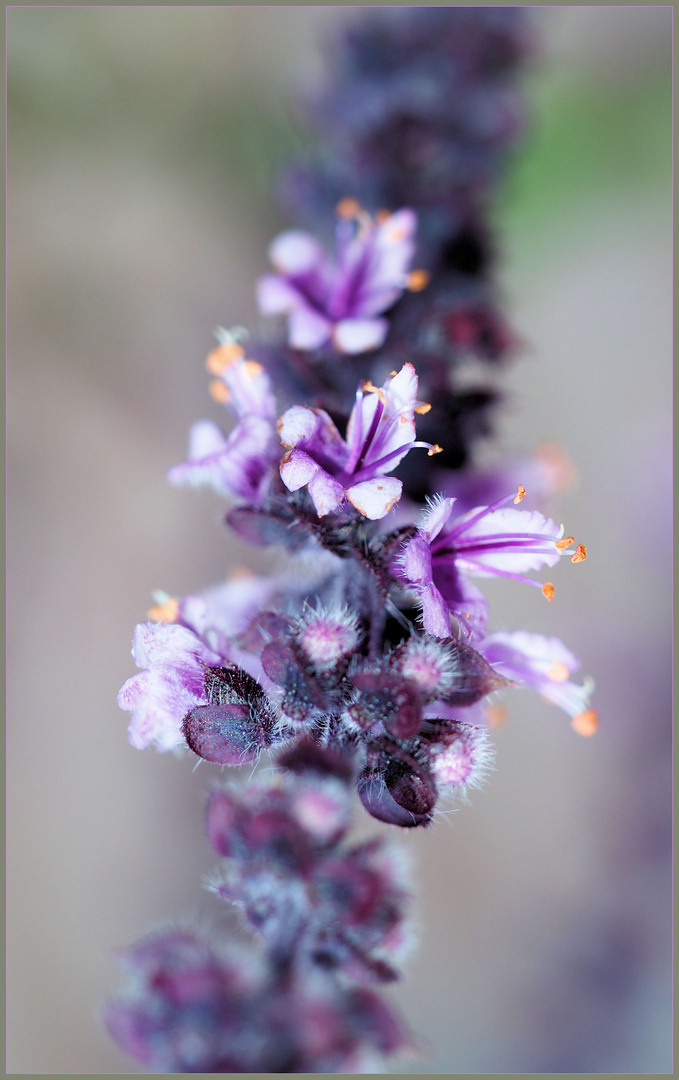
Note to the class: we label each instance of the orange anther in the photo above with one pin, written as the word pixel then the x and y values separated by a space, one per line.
pixel 566 542
pixel 580 554
pixel 496 716
pixel 382 215
pixel 223 357
pixel 423 408
pixel 435 449
pixel 253 369
pixel 220 391
pixel 348 208
pixel 393 374
pixel 548 590
pixel 418 280
pixel 520 493
pixel 166 612
pixel 370 388
pixel 586 723
pixel 558 672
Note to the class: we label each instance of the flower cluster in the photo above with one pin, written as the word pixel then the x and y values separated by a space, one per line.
pixel 365 664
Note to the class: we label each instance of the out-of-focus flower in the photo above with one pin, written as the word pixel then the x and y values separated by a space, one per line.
pixel 341 301
pixel 380 432
pixel 243 463
pixel 546 665
pixel 194 1008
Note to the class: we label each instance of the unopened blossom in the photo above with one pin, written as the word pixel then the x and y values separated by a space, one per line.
pixel 488 541
pixel 242 463
pixel 545 664
pixel 342 300
pixel 380 432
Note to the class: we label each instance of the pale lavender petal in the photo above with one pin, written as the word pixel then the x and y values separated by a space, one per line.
pixel 417 561
pixel 250 389
pixel 496 542
pixel 296 252
pixel 392 257
pixel 435 612
pixel 172 683
pixel 160 644
pixel 236 466
pixel 436 517
pixel 308 329
pixel 327 494
pixel 275 295
pixel 540 662
pixel 542 653
pixel 355 336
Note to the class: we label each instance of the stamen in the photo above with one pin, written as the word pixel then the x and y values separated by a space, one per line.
pixel 586 723
pixel 423 408
pixel 520 493
pixel 548 590
pixel 558 672
pixel 165 613
pixel 566 542
pixel 382 215
pixel 223 357
pixel 393 374
pixel 370 388
pixel 580 554
pixel 253 369
pixel 496 715
pixel 418 280
pixel 348 208
pixel 435 449
pixel 220 391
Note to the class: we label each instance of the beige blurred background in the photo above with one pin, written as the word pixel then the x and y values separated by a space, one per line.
pixel 142 146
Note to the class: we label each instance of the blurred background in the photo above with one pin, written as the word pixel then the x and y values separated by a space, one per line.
pixel 143 143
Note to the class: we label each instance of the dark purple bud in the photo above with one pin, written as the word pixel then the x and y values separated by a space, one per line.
pixel 384 696
pixel 308 756
pixel 263 527
pixel 474 677
pixel 378 801
pixel 224 734
pixel 411 786
pixel 302 691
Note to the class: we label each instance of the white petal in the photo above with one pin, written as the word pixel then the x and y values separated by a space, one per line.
pixel 327 493
pixel 298 424
pixel 375 498
pixel 359 335
pixel 297 469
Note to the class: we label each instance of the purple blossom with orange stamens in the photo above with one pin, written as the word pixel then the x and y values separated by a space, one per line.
pixel 340 301
pixel 380 432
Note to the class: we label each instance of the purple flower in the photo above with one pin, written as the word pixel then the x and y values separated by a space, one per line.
pixel 243 463
pixel 172 682
pixel 341 301
pixel 380 432
pixel 545 664
pixel 485 542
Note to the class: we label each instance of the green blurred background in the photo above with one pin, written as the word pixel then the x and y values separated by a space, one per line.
pixel 142 147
